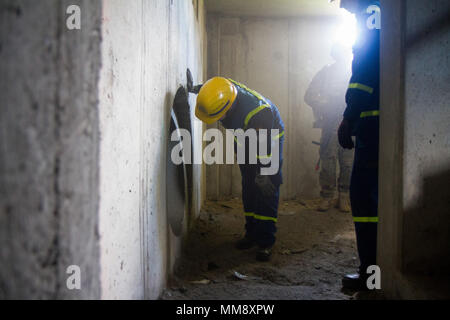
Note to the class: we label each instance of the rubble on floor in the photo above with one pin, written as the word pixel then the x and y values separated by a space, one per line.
pixel 312 252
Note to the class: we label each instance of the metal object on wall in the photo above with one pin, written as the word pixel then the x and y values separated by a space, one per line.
pixel 178 177
pixel 190 81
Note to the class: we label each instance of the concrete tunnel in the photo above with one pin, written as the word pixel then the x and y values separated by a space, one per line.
pixel 88 110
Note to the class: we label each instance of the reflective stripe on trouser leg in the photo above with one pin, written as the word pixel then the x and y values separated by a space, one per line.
pixel 260 217
pixel 261 212
pixel 364 202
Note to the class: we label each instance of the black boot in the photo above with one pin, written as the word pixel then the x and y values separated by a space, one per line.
pixel 355 282
pixel 264 255
pixel 245 244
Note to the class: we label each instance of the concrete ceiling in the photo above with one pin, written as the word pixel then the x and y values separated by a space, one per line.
pixel 273 7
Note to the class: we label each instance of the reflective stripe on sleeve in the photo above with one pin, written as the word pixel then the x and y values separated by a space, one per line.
pixel 360 86
pixel 373 113
pixel 253 113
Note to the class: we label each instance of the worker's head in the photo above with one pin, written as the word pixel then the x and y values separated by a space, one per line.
pixel 215 98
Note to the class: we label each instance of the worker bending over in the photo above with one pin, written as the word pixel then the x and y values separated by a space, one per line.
pixel 238 107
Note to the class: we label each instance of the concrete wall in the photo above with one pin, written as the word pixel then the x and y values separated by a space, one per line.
pixel 84 130
pixel 49 149
pixel 147 46
pixel 414 231
pixel 277 57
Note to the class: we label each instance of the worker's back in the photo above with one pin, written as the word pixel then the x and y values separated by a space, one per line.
pixel 252 110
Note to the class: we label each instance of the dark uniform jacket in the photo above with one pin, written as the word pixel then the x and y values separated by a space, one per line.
pixel 363 94
pixel 253 111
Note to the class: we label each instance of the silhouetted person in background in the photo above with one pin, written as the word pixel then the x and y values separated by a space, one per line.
pixel 326 96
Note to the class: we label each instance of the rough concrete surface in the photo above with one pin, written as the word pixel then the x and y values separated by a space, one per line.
pixel 415 150
pixel 270 8
pixel 60 136
pixel 147 47
pixel 427 139
pixel 84 128
pixel 49 142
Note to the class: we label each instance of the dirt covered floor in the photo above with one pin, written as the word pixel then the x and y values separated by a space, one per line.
pixel 313 251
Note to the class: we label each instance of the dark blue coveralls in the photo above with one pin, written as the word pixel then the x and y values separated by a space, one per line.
pixel 252 111
pixel 363 98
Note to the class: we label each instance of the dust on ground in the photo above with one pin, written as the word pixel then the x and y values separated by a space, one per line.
pixel 313 251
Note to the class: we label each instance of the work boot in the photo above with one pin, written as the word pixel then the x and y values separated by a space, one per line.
pixel 264 254
pixel 355 282
pixel 245 244
pixel 344 202
pixel 325 204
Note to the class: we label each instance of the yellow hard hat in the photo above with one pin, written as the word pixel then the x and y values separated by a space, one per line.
pixel 214 99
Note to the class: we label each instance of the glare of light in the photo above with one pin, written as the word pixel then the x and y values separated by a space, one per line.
pixel 346 31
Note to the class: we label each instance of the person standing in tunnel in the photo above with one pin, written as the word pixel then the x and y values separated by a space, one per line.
pixel 361 119
pixel 238 107
pixel 326 96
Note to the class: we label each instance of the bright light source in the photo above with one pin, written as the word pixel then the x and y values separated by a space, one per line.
pixel 346 31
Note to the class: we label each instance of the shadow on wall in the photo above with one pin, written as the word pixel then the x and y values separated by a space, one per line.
pixel 426 231
pixel 178 177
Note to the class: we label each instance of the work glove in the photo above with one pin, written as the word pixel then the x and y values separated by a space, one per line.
pixel 345 135
pixel 265 185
